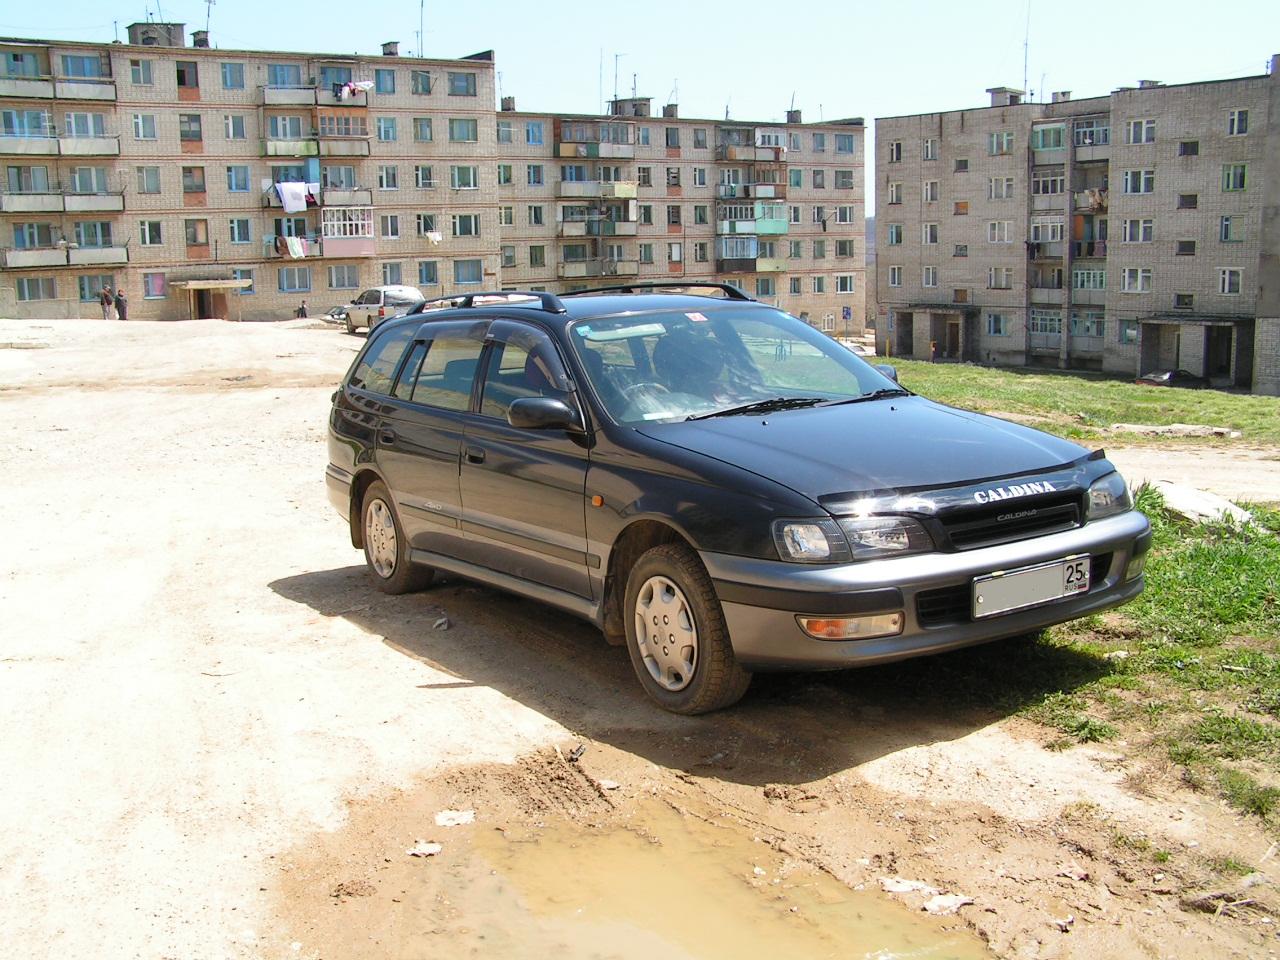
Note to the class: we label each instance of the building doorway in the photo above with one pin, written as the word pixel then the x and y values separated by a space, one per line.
pixel 904 335
pixel 1218 353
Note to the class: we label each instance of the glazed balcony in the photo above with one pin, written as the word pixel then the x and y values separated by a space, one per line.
pixel 765 220
pixel 596 227
pixel 751 191
pixel 599 267
pixel 590 140
pixel 601 189
pixel 750 153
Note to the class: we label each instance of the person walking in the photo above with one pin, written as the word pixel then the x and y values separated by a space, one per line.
pixel 107 301
pixel 122 304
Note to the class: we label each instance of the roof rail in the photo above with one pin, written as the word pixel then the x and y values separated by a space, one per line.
pixel 731 292
pixel 548 301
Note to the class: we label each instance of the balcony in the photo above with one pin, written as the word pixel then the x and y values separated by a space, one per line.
pixel 595 227
pixel 1044 342
pixel 1045 250
pixel 1090 152
pixel 340 247
pixel 569 150
pixel 86 88
pixel 1088 249
pixel 736 265
pixel 579 269
pixel 288 96
pixel 344 146
pixel 764 226
pixel 1048 201
pixel 290 148
pixel 770 265
pixel 757 191
pixel 273 248
pixel 1051 296
pixel 750 154
pixel 40 257
pixel 31 203
pixel 27 88
pixel 44 146
pixel 1091 297
pixel 1091 201
pixel 93 202
pixel 1083 344
pixel 337 197
pixel 89 146
pixel 325 98
pixel 604 189
pixel 97 256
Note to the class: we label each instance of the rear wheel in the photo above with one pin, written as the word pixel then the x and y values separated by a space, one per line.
pixel 676 634
pixel 386 550
pixel 351 327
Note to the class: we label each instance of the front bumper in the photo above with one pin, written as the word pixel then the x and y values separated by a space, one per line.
pixel 761 598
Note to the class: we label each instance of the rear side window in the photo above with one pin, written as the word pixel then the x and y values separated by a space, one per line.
pixel 376 370
pixel 447 373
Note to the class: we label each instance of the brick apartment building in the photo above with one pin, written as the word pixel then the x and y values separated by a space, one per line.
pixel 154 165
pixel 1126 233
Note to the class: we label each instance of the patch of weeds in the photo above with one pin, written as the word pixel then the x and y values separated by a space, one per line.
pixel 1186 754
pixel 1131 842
pixel 1229 866
pixel 1162 856
pixel 1246 794
pixel 1065 713
pixel 1235 737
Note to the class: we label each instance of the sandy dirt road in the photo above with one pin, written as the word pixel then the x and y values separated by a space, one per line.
pixel 210 719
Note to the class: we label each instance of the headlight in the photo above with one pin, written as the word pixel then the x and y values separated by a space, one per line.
pixel 810 541
pixel 871 537
pixel 1107 497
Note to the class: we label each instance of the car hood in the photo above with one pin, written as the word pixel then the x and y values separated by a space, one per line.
pixel 893 444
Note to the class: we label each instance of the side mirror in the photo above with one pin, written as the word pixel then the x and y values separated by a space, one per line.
pixel 542 413
pixel 889 370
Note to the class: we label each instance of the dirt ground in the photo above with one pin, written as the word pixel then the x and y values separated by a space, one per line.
pixel 219 741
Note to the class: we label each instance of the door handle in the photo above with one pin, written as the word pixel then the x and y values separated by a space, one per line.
pixel 475 455
pixel 386 436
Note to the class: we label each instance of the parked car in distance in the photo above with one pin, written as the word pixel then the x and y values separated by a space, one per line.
pixel 1172 378
pixel 336 315
pixel 375 305
pixel 715 484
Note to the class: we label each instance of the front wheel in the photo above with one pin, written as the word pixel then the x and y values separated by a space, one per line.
pixel 351 327
pixel 386 549
pixel 676 634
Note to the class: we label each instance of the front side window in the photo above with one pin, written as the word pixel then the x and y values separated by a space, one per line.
pixel 524 363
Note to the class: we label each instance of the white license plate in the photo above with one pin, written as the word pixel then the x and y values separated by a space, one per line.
pixel 1030 586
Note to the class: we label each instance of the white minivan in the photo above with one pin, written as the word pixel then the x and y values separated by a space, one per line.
pixel 375 305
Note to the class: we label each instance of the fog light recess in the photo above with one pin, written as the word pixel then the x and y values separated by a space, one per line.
pixel 1135 568
pixel 852 628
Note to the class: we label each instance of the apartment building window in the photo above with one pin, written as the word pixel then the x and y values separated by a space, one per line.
pixel 845 214
pixel 1136 280
pixel 233 126
pixel 1048 138
pixel 344 276
pixel 232 76
pixel 1045 184
pixel 154 286
pixel 297 227
pixel 533 133
pixel 1046 229
pixel 961 250
pixel 504 131
pixel 644 214
pixel 1090 323
pixel 1189 148
pixel 140 72
pixel 844 282
pixel 84 125
pixel 675 253
pixel 999 143
pixel 895 194
pixel 188 74
pixel 700 138
pixel 464 178
pixel 30 236
pixel 506 216
pixel 999 278
pixel 819 249
pixel 422 130
pixel 795 178
pixel 999 188
pixel 422 177
pixel 644 176
pixel 388 177
pixel 240 273
pixel 962 165
pixel 999 231
pixel 1229 282
pixel 334 177
pixel 673 136
pixel 1085 279
pixel 765 287
pixel 1237 123
pixel 1092 133
pixel 193 180
pixel 819 284
pixel 294 279
pixel 1139 181
pixel 144 126
pixel 284 75
pixel 701 251
pixel 929 191
pixel 1181 301
pixel 819 142
pixel 997 325
pixel 329 76
pixel 1188 201
pixel 929 276
pixel 466 224
pixel 643 136
pixel 90 285
pixel 428 273
pixel 844 248
pixel 384 80
pixel 1045 322
pixel 426 223
pixel 386 127
pixel 284 127
pixel 795 249
pixel 701 214
pixel 673 176
pixel 793 141
pixel 646 253
pixel 895 151
pixel 845 143
pixel 508 253
pixel 94 234
pixel 819 214
pixel 960 208
pixel 537 255
pixel 150 233
pixel 389 226
pixel 505 177
pixel 699 176
pixel 238 178
pixel 844 180
pixel 1186 248
pixel 533 174
pixel 819 179
pixel 535 215
pixel 928 233
pixel 795 285
pixel 894 234
pixel 1228 231
pixel 462 84
pixel 196 232
pixel 148 179
pixel 895 276
pixel 673 214
pixel 1233 175
pixel 929 150
pixel 37 288
pixel 239 230
pixel 1141 230
pixel 1140 131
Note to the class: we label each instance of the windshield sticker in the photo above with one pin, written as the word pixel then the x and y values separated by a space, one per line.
pixel 696 317
pixel 624 333
pixel 584 331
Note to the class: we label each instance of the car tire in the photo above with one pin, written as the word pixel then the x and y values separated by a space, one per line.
pixel 668 588
pixel 351 327
pixel 386 549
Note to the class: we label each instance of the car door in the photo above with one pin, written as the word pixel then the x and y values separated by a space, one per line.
pixel 524 491
pixel 420 434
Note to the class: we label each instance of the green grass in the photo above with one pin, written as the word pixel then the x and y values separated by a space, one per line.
pixel 1081 405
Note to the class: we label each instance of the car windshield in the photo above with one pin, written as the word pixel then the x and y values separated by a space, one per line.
pixel 677 365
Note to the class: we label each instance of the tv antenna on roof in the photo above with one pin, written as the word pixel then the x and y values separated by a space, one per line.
pixel 208 13
pixel 1026 46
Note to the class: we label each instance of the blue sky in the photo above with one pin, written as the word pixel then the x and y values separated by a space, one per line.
pixel 837 59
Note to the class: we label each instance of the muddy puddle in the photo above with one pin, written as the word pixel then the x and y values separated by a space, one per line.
pixel 655 883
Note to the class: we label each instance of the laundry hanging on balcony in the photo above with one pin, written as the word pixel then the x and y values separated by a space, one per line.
pixel 293 196
pixel 343 91
pixel 435 236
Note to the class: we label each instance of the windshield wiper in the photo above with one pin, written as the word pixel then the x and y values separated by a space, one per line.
pixel 873 395
pixel 760 406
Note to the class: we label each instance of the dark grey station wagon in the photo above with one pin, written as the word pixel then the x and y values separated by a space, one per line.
pixel 715 484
